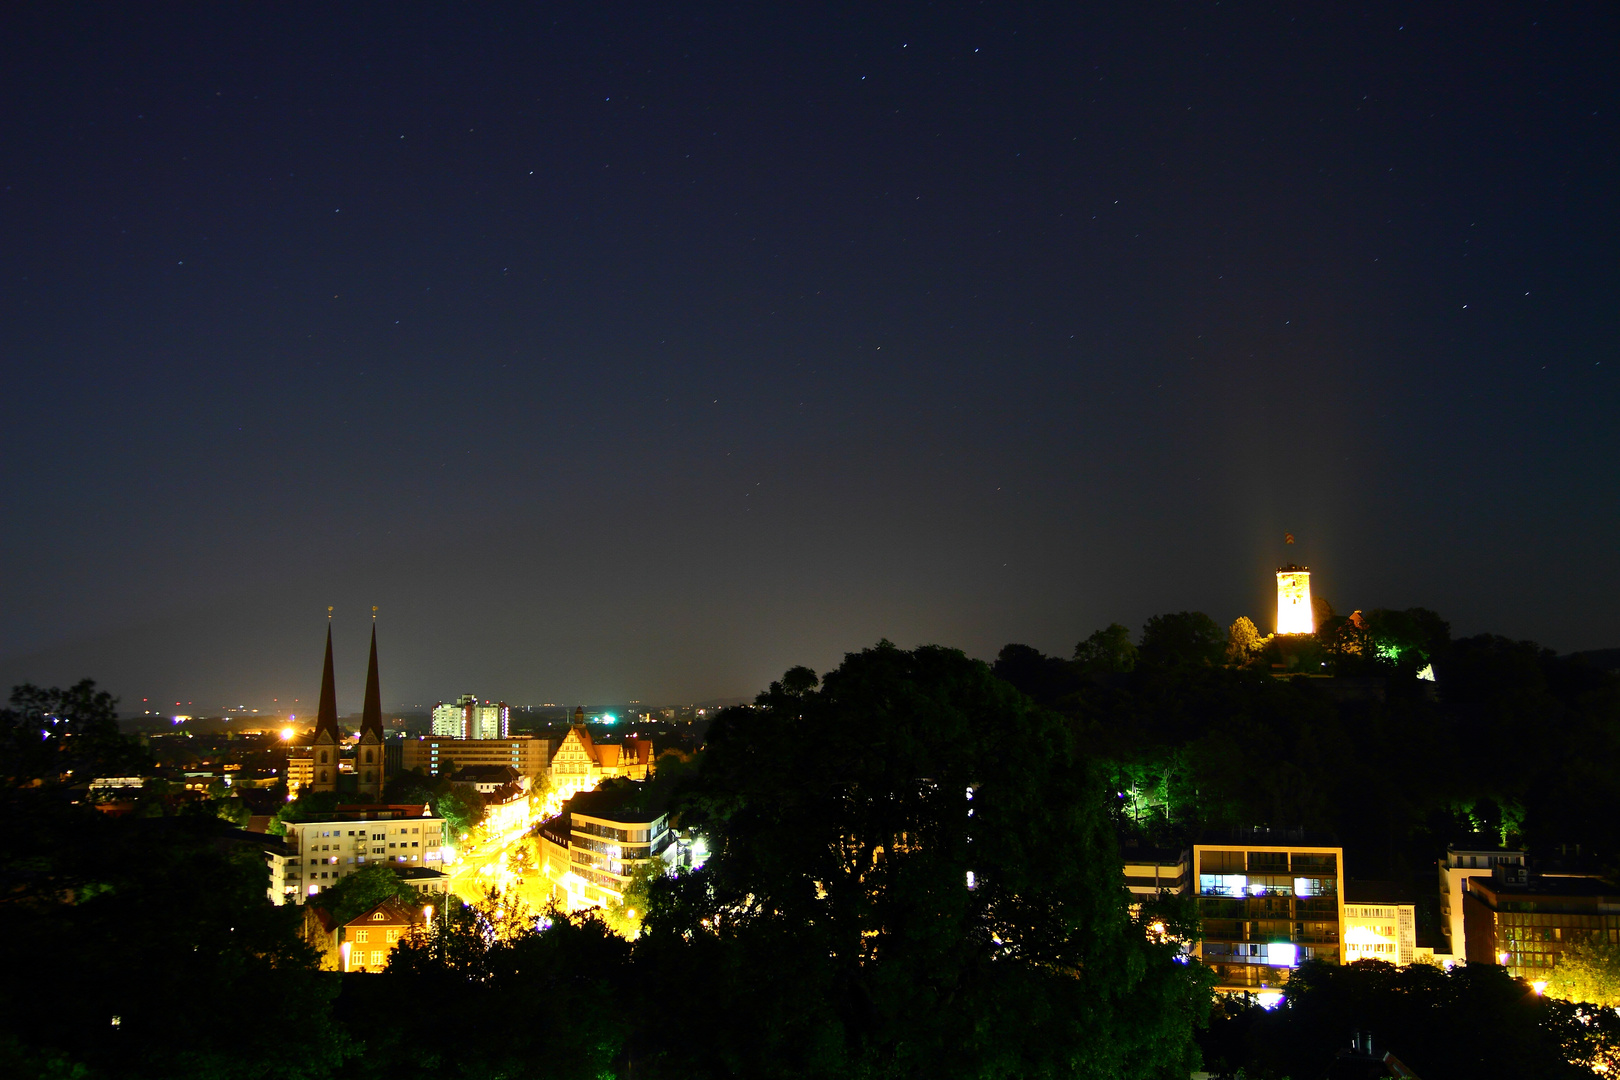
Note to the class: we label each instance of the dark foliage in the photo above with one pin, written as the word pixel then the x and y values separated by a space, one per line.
pixel 1470 1022
pixel 834 932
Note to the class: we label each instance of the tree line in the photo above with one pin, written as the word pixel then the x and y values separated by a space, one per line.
pixel 915 871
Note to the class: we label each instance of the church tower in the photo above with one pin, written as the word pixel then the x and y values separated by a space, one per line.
pixel 327 737
pixel 368 758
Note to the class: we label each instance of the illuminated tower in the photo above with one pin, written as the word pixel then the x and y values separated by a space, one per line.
pixel 368 757
pixel 327 737
pixel 1294 614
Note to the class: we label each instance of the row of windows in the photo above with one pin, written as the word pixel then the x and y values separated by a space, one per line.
pixel 1266 884
pixel 405 829
pixel 1270 930
pixel 634 836
pixel 1583 922
pixel 1267 862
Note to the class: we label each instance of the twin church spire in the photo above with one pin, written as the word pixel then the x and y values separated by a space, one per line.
pixel 368 755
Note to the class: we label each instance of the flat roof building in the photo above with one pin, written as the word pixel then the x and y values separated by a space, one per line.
pixel 315 855
pixel 1380 923
pixel 527 754
pixel 1267 899
pixel 1525 923
pixel 1464 860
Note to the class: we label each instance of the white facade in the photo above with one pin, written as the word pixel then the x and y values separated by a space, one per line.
pixel 1380 931
pixel 1456 868
pixel 318 854
pixel 467 719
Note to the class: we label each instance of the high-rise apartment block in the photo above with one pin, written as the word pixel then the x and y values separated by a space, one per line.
pixel 467 719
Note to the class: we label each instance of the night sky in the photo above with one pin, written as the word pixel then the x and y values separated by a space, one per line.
pixel 623 351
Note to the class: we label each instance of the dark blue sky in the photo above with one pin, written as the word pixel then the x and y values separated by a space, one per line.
pixel 644 351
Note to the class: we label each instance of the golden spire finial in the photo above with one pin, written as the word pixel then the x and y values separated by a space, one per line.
pixel 328 612
pixel 373 612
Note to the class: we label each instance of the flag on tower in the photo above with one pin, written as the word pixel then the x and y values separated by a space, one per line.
pixel 1289 537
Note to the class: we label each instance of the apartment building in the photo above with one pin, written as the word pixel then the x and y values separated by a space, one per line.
pixel 315 855
pixel 1380 923
pixel 1151 871
pixel 529 755
pixel 1268 899
pixel 467 718
pixel 1525 923
pixel 590 851
pixel 1463 861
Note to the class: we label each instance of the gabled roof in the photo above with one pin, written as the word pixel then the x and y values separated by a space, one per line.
pixel 327 920
pixel 392 911
pixel 607 756
pixel 585 742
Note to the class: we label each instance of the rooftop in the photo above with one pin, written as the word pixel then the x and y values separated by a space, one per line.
pixel 1376 892
pixel 629 802
pixel 1585 887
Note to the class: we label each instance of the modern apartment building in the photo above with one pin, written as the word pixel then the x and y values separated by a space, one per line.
pixel 1464 861
pixel 590 851
pixel 466 718
pixel 1525 923
pixel 1150 871
pixel 1267 899
pixel 315 855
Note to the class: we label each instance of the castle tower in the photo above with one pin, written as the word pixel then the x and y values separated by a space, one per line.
pixel 1294 614
pixel 327 737
pixel 368 757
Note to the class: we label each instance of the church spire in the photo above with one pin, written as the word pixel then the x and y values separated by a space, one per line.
pixel 371 715
pixel 370 759
pixel 327 719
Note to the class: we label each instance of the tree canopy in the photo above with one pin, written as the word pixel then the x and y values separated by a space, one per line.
pixel 928 886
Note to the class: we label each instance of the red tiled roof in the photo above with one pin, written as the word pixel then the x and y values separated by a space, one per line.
pixel 392 911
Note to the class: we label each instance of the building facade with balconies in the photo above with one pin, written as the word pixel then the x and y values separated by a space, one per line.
pixel 1267 901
